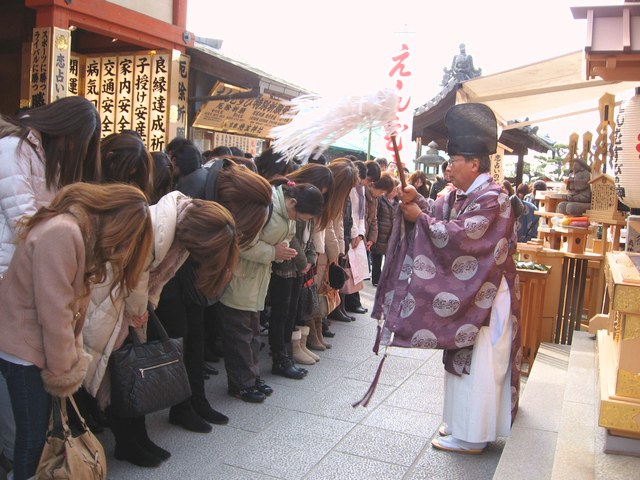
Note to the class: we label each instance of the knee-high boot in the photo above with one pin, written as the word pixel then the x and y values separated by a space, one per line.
pixel 128 446
pixel 313 340
pixel 142 436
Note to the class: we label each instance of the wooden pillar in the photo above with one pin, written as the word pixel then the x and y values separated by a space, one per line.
pixel 519 170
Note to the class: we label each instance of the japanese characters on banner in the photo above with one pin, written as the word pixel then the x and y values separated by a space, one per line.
pixel 124 94
pixel 73 80
pixel 158 101
pixel 496 166
pixel 108 95
pixel 401 74
pixel 249 116
pixel 92 80
pixel 60 62
pixel 141 93
pixel 178 95
pixel 50 51
pixel 246 144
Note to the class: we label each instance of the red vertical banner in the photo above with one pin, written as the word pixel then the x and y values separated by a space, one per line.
pixel 401 76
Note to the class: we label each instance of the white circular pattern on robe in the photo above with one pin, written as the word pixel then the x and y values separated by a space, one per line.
pixel 501 251
pixel 407 306
pixel 424 339
pixel 424 267
pixel 505 205
pixel 388 298
pixel 446 304
pixel 407 268
pixel 486 294
pixel 439 235
pixel 516 286
pixel 475 227
pixel 472 207
pixel 514 397
pixel 466 335
pixel 464 267
pixel 515 325
pixel 462 359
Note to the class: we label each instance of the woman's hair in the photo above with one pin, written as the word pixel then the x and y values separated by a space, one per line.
pixel 271 164
pixel 70 132
pixel 162 176
pixel 119 215
pixel 322 178
pixel 373 170
pixel 385 183
pixel 125 159
pixel 362 169
pixel 308 198
pixel 523 189
pixel 506 184
pixel 208 232
pixel 345 177
pixel 247 196
pixel 425 187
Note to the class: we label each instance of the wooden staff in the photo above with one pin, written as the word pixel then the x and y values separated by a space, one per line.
pixel 399 164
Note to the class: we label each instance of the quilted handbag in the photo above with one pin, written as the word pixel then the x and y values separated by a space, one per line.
pixel 147 377
pixel 71 451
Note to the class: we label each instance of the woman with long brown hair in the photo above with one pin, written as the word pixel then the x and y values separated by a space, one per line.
pixel 125 159
pixel 329 243
pixel 182 227
pixel 42 150
pixel 62 250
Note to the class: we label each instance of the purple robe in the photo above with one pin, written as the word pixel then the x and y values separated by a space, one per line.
pixel 442 274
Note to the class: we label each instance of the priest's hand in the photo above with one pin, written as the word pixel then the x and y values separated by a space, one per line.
pixel 408 194
pixel 410 211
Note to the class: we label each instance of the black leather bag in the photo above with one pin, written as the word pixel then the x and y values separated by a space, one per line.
pixel 147 377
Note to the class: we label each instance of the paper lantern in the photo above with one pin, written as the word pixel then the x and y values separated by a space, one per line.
pixel 626 158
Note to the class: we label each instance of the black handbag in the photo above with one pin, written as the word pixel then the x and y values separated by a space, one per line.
pixel 147 377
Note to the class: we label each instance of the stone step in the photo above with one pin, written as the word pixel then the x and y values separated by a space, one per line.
pixel 556 433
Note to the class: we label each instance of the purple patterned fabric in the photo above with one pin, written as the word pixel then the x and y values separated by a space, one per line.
pixel 442 274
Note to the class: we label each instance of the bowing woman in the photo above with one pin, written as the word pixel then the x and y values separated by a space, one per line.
pixel 61 251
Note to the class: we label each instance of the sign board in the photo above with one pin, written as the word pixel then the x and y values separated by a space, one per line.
pixel 254 117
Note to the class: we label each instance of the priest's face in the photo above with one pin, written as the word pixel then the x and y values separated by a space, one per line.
pixel 463 171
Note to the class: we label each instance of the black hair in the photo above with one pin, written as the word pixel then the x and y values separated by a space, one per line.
pixel 308 198
pixel 221 151
pixel 176 143
pixel 187 158
pixel 362 169
pixel 373 170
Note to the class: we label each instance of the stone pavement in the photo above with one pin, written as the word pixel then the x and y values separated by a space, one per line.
pixel 308 430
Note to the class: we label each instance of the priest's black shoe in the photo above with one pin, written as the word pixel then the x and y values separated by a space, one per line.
pixel 359 309
pixel 186 417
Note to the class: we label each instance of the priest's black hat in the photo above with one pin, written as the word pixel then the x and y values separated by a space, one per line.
pixel 472 129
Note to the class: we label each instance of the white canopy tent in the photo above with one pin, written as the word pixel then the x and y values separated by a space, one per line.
pixel 541 91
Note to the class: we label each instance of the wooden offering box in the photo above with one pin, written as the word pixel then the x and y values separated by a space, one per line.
pixel 619 347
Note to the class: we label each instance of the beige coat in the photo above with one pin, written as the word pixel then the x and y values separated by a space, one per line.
pixel 42 303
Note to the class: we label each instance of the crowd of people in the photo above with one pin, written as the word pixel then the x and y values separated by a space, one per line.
pixel 97 234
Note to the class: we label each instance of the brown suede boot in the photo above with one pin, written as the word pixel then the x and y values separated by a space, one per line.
pixel 304 331
pixel 313 342
pixel 299 355
pixel 318 322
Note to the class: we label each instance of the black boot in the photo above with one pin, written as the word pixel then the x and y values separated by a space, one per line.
pixel 338 315
pixel 342 309
pixel 185 416
pixel 203 408
pixel 283 365
pixel 143 439
pixel 128 448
